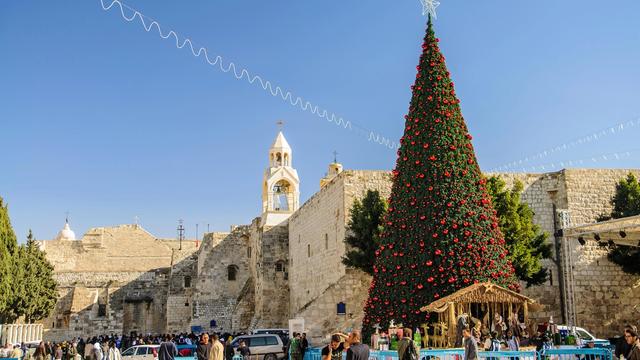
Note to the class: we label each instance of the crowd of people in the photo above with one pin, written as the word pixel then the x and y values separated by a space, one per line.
pixel 215 347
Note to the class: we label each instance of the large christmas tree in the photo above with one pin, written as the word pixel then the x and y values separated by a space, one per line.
pixel 441 231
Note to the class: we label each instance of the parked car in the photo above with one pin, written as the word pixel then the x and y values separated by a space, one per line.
pixel 585 336
pixel 141 352
pixel 186 352
pixel 283 333
pixel 265 346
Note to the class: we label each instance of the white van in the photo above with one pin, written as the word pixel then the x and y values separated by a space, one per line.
pixel 265 346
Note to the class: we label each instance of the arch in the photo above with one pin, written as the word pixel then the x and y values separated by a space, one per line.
pixel 232 272
pixel 286 159
pixel 278 159
pixel 281 194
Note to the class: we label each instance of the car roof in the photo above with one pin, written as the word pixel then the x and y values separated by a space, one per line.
pixel 255 335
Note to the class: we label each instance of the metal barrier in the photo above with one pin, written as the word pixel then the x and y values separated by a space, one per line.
pixel 458 354
pixel 574 354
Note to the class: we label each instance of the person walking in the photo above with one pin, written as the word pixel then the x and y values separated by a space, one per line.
pixel 304 344
pixel 114 352
pixel 622 348
pixel 228 349
pixel 41 352
pixel 336 347
pixel 168 349
pixel 357 350
pixel 244 350
pixel 295 348
pixel 204 347
pixel 217 349
pixel 470 345
pixel 631 337
pixel 72 351
pixel 97 351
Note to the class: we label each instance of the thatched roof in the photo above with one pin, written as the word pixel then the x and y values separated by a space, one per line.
pixel 478 293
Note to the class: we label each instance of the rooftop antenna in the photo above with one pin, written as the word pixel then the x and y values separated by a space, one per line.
pixel 180 232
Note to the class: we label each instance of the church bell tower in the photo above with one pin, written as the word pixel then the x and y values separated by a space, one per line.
pixel 281 185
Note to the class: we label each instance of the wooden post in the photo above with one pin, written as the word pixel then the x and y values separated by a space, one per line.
pixel 525 309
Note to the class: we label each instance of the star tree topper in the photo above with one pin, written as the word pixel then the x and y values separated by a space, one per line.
pixel 429 7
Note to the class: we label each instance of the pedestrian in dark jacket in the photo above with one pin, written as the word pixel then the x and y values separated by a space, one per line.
pixel 167 350
pixel 204 347
pixel 631 336
pixel 622 348
pixel 470 345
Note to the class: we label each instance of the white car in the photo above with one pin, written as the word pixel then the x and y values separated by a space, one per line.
pixel 141 352
pixel 583 334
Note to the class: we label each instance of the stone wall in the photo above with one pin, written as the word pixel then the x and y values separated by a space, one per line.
pixel 321 317
pixel 114 279
pixel 216 293
pixel 98 303
pixel 270 259
pixel 604 295
pixel 316 247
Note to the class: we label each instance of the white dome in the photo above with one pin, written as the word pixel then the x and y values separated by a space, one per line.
pixel 66 233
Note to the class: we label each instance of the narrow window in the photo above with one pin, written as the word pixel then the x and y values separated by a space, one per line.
pixel 187 281
pixel 280 266
pixel 550 278
pixel 249 252
pixel 232 271
pixel 102 310
pixel 342 308
pixel 326 241
pixel 308 250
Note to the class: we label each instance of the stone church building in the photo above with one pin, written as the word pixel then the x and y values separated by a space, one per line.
pixel 287 263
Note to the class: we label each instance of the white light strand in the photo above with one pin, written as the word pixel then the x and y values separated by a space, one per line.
pixel 586 139
pixel 242 73
pixel 573 163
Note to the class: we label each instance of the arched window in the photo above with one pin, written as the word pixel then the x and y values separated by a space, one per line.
pixel 280 266
pixel 286 159
pixel 280 200
pixel 232 272
pixel 308 250
pixel 187 281
pixel 278 159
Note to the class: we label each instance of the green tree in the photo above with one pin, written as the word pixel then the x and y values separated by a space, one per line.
pixel 38 282
pixel 526 243
pixel 364 229
pixel 626 202
pixel 8 249
pixel 440 232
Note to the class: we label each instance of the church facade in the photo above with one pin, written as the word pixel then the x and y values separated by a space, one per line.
pixel 287 263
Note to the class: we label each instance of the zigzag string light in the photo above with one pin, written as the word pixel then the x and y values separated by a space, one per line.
pixel 581 162
pixel 590 138
pixel 241 73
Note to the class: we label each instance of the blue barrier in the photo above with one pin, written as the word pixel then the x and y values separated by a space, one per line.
pixel 574 354
pixel 458 354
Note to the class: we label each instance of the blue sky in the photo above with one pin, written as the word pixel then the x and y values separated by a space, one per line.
pixel 108 122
